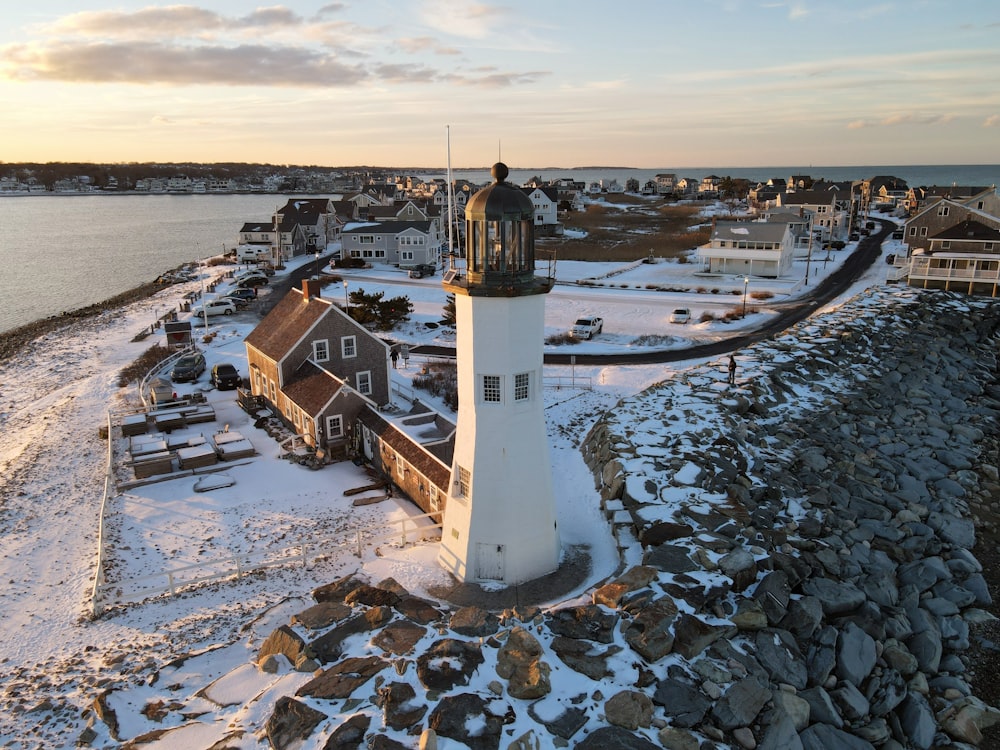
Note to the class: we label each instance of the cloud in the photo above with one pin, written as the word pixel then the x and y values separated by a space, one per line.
pixel 415 45
pixel 908 118
pixel 138 62
pixel 471 19
pixel 993 121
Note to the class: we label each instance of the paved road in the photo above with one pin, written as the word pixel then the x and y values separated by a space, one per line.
pixel 789 313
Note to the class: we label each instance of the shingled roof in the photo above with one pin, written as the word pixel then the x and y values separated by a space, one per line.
pixel 287 323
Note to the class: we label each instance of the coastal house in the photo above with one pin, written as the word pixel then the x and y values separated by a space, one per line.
pixel 314 218
pixel 942 213
pixel 546 204
pixel 414 451
pixel 748 248
pixel 827 209
pixel 665 183
pixel 396 243
pixel 964 258
pixel 316 368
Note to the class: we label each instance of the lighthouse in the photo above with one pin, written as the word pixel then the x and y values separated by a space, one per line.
pixel 499 520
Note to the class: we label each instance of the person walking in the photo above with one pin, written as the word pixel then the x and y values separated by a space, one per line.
pixel 394 356
pixel 732 370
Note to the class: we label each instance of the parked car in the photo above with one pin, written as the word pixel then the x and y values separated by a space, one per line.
pixel 161 391
pixel 188 368
pixel 225 376
pixel 250 274
pixel 680 315
pixel 250 282
pixel 215 307
pixel 238 302
pixel 421 270
pixel 586 328
pixel 243 294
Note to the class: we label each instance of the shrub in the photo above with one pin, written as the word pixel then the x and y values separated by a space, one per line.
pixel 707 317
pixel 558 339
pixel 143 364
pixel 440 380
pixel 761 295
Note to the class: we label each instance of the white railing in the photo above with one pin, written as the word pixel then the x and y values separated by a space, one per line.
pixel 583 382
pixel 921 268
pixel 95 600
pixel 172 581
pixel 155 373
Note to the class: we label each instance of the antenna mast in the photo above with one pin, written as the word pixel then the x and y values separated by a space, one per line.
pixel 451 204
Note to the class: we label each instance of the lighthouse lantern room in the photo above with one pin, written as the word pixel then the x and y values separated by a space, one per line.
pixel 500 521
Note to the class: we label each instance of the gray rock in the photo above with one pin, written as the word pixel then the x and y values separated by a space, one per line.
pixel 778 653
pixel 781 734
pixel 519 661
pixel 850 701
pixel 889 692
pixel 474 621
pixel 740 704
pixel 826 737
pixel 821 659
pixel 349 734
pixel 588 621
pixel 670 558
pixel 400 710
pixel 803 618
pixel 773 593
pixel 926 647
pixel 855 654
pixel 835 597
pixel 649 633
pixel 821 708
pixel 468 719
pixel 614 738
pixel 793 706
pixel 916 719
pixel 683 702
pixel 692 635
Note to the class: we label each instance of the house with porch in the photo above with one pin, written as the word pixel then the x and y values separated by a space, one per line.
pixel 963 258
pixel 748 248
pixel 827 210
pixel 316 368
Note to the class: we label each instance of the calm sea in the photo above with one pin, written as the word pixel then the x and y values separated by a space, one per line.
pixel 61 253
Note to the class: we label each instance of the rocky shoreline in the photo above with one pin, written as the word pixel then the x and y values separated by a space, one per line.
pixel 12 341
pixel 796 572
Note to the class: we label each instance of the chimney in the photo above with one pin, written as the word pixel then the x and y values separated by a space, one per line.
pixel 311 288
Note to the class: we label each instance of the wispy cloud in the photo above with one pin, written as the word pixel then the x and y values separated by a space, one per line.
pixel 993 121
pixel 903 118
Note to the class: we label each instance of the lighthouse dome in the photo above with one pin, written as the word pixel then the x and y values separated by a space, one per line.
pixel 501 201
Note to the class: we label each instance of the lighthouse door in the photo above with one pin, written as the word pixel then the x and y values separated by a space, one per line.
pixel 489 562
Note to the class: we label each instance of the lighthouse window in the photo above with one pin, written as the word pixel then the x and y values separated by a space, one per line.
pixel 521 386
pixel 464 481
pixel 491 389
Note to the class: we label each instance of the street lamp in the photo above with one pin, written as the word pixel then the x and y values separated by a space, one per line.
pixel 347 300
pixel 746 283
pixel 317 262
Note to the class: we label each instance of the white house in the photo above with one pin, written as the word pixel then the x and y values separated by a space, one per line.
pixel 749 248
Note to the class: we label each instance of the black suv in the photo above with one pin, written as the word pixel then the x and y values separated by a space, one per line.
pixel 188 367
pixel 225 377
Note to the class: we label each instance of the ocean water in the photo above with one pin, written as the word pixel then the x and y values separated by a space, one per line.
pixel 61 253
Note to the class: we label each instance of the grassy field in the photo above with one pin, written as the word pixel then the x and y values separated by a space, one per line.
pixel 626 227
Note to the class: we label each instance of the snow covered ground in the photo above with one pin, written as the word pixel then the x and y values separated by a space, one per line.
pixel 54 396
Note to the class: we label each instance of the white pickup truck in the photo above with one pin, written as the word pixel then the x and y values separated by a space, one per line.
pixel 587 328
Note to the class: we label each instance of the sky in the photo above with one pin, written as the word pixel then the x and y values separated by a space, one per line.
pixel 648 84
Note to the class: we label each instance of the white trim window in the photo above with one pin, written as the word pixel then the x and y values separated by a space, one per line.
pixel 406 255
pixel 464 482
pixel 349 347
pixel 365 382
pixel 943 210
pixel 522 386
pixel 321 350
pixel 334 426
pixel 492 389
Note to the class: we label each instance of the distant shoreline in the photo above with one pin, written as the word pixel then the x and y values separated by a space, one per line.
pixel 12 341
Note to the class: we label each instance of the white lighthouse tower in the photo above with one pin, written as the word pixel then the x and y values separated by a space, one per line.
pixel 500 520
